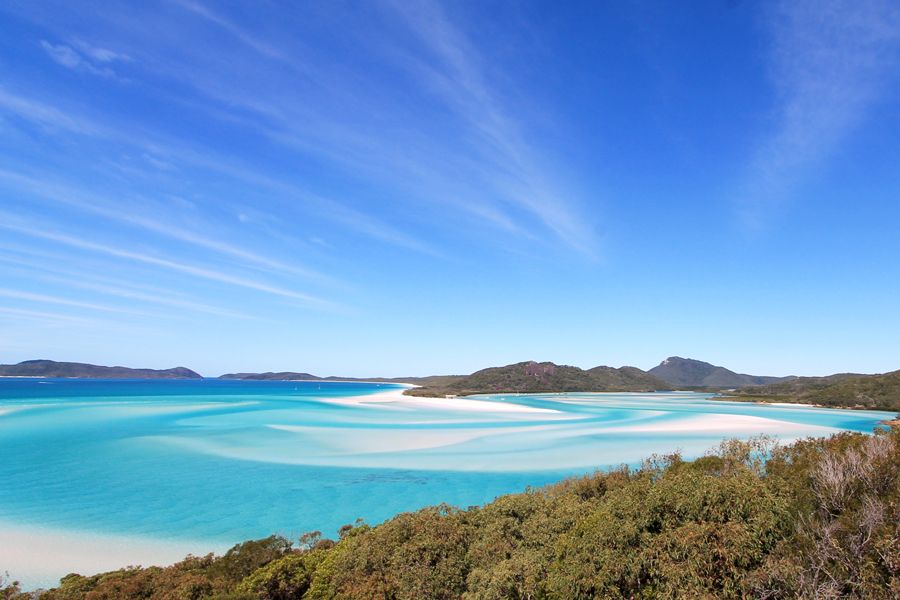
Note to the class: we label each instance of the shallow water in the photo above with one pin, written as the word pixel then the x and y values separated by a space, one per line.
pixel 216 462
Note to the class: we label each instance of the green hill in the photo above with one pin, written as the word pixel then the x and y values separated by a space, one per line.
pixel 534 377
pixel 270 376
pixel 51 368
pixel 845 389
pixel 689 373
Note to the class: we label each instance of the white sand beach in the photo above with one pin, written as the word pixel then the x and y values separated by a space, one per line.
pixel 457 404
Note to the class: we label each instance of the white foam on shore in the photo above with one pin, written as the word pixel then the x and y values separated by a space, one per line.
pixel 38 557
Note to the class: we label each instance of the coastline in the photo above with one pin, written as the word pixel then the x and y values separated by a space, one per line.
pixel 38 555
pixel 774 401
pixel 460 403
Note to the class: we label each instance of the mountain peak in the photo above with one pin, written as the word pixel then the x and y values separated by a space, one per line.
pixel 690 372
pixel 680 360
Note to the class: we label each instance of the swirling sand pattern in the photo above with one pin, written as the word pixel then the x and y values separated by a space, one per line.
pixel 204 464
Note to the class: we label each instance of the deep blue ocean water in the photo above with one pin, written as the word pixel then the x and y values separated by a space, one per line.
pixel 224 461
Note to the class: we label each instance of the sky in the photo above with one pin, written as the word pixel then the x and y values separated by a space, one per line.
pixel 412 188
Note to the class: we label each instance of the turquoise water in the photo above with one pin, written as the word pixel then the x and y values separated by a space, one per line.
pixel 224 461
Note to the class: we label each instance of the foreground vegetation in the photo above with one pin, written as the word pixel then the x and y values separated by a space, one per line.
pixel 818 519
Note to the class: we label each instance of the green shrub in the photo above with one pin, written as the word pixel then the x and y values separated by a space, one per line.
pixel 286 578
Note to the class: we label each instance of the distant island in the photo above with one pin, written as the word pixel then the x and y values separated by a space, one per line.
pixel 51 368
pixel 270 376
pixel 846 390
pixel 877 392
pixel 531 376
pixel 295 376
pixel 536 377
pixel 843 390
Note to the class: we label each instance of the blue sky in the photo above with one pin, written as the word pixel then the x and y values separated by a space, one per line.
pixel 407 188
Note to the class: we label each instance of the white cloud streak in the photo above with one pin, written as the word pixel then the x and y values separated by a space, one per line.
pixel 101 55
pixel 155 299
pixel 92 60
pixel 489 175
pixel 46 115
pixel 459 80
pixel 515 174
pixel 43 298
pixel 18 313
pixel 290 195
pixel 240 34
pixel 163 297
pixel 171 265
pixel 830 63
pixel 91 203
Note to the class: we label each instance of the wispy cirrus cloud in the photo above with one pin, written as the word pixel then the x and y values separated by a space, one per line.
pixel 289 196
pixel 50 271
pixel 84 57
pixel 101 55
pixel 154 298
pixel 47 115
pixel 457 76
pixel 40 315
pixel 118 211
pixel 11 223
pixel 500 179
pixel 46 299
pixel 486 175
pixel 830 62
pixel 236 31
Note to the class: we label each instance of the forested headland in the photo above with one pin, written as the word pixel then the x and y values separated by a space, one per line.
pixel 844 390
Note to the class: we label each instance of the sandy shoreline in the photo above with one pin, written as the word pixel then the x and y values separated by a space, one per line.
pixel 458 403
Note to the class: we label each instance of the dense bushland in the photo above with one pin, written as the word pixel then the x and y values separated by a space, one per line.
pixel 880 392
pixel 818 519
